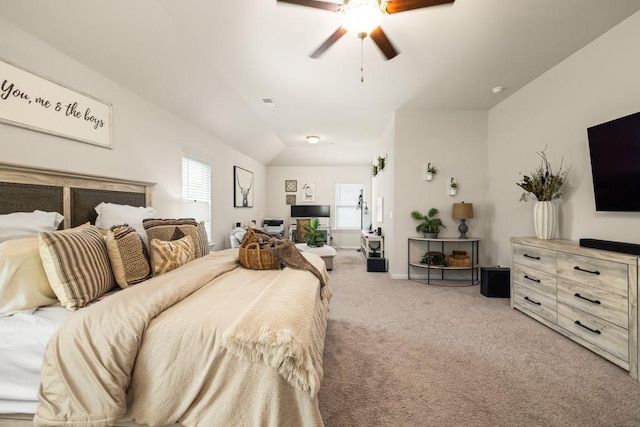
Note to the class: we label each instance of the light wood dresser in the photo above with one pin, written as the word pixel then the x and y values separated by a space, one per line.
pixel 588 295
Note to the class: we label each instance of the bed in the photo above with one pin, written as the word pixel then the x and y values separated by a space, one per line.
pixel 207 343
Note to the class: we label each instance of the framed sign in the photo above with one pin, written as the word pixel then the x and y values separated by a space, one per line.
pixel 242 188
pixel 308 192
pixel 37 103
pixel 290 185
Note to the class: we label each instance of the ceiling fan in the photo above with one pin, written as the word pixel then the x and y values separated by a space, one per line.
pixel 363 18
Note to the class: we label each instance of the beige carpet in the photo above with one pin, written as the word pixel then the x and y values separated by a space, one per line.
pixel 400 353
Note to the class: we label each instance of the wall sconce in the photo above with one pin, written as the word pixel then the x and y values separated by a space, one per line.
pixel 462 211
pixel 453 187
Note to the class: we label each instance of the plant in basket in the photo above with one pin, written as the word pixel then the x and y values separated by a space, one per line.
pixel 314 237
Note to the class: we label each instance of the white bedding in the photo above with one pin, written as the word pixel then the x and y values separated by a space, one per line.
pixel 23 338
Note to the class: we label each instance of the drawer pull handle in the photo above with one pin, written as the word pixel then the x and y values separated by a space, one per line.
pixel 595 301
pixel 532 257
pixel 596 272
pixel 595 331
pixel 532 301
pixel 532 279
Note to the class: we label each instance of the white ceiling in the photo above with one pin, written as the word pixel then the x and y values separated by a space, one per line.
pixel 212 62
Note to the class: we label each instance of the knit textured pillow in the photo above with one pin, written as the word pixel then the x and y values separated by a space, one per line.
pixel 128 255
pixel 77 265
pixel 173 229
pixel 169 255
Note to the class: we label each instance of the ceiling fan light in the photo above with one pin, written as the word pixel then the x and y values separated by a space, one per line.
pixel 362 16
pixel 312 139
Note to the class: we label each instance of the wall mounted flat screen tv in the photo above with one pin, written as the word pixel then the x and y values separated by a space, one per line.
pixel 318 211
pixel 614 148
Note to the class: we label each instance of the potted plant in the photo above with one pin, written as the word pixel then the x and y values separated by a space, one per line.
pixel 544 184
pixel 429 172
pixel 430 224
pixel 314 237
pixel 381 163
pixel 374 170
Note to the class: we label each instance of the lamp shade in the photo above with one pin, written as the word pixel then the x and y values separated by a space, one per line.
pixel 199 211
pixel 462 210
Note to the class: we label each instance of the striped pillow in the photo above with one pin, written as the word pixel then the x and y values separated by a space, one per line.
pixel 167 256
pixel 77 265
pixel 128 255
pixel 174 229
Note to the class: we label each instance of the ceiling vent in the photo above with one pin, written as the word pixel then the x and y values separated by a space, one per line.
pixel 269 102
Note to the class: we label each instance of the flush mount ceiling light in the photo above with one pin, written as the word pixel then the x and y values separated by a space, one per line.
pixel 312 139
pixel 497 90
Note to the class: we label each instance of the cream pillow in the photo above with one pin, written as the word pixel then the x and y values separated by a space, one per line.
pixel 169 255
pixel 23 282
pixel 27 224
pixel 77 265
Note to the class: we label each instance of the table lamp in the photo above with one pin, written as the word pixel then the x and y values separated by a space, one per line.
pixel 199 211
pixel 462 211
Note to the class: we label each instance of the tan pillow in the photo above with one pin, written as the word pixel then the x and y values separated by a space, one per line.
pixel 128 255
pixel 77 265
pixel 23 282
pixel 169 255
pixel 203 240
pixel 174 229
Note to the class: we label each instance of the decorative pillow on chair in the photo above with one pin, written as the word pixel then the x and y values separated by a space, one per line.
pixel 77 265
pixel 128 255
pixel 300 230
pixel 169 255
pixel 174 229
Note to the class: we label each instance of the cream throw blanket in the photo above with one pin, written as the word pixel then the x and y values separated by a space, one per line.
pixel 140 355
pixel 285 327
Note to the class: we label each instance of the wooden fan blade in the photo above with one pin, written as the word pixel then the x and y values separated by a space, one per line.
pixel 395 6
pixel 316 4
pixel 330 41
pixel 383 42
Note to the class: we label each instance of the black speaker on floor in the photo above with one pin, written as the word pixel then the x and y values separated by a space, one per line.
pixel 494 281
pixel 378 265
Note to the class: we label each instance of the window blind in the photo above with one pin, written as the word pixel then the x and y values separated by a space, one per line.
pixel 347 212
pixel 196 183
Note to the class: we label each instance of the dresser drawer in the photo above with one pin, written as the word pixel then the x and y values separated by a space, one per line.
pixel 596 301
pixel 607 336
pixel 609 275
pixel 535 302
pixel 537 280
pixel 536 258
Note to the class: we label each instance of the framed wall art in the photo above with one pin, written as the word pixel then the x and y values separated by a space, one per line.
pixel 308 192
pixel 37 103
pixel 291 199
pixel 242 188
pixel 290 185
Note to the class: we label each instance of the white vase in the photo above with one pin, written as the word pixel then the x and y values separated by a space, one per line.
pixel 545 220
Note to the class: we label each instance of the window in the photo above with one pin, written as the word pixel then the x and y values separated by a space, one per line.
pixel 196 184
pixel 348 212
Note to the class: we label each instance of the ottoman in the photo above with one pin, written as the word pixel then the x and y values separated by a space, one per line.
pixel 325 252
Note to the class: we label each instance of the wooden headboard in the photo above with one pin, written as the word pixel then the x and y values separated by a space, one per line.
pixel 74 195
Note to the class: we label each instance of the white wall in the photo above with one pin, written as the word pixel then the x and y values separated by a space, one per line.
pixel 455 143
pixel 325 179
pixel 148 141
pixel 599 83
